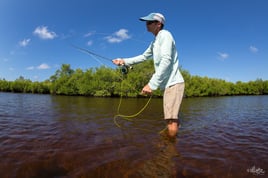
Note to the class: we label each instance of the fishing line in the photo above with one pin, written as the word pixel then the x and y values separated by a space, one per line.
pixel 131 116
pixel 97 60
pixel 124 71
pixel 124 68
pixel 92 53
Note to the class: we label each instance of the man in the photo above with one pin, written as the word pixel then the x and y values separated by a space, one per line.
pixel 167 75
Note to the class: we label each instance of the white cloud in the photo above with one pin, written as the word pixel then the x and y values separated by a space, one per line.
pixel 40 67
pixel 253 49
pixel 43 66
pixel 24 42
pixel 122 33
pixel 43 33
pixel 118 36
pixel 223 56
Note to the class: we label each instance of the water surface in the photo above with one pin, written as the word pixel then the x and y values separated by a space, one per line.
pixel 64 136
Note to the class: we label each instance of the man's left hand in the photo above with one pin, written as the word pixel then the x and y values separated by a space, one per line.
pixel 146 90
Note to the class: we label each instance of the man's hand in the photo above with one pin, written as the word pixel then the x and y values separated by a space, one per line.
pixel 146 90
pixel 119 61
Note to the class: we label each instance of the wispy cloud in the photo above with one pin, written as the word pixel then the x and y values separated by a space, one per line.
pixel 223 56
pixel 89 34
pixel 118 36
pixel 30 68
pixel 42 66
pixel 253 49
pixel 43 33
pixel 90 42
pixel 5 60
pixel 24 42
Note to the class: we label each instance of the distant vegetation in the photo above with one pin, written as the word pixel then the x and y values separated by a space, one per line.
pixel 106 82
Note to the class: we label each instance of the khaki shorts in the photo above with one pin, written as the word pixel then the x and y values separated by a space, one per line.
pixel 172 100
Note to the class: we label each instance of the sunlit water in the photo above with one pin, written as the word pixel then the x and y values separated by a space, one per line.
pixel 64 136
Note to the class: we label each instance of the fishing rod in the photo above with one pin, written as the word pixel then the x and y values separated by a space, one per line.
pixel 124 71
pixel 124 68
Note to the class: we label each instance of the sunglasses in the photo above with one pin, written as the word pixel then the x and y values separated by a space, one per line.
pixel 150 22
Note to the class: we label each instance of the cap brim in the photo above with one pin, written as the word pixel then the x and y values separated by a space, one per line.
pixel 146 19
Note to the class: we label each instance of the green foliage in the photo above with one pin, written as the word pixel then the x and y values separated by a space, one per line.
pixel 22 85
pixel 106 82
pixel 5 85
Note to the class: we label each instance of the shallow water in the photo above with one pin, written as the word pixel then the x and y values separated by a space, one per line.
pixel 64 136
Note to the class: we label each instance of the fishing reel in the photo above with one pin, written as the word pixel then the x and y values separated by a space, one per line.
pixel 125 69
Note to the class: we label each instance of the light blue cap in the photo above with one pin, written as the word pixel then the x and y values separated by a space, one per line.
pixel 154 16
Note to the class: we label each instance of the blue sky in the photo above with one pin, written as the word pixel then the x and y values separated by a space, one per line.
pixel 224 39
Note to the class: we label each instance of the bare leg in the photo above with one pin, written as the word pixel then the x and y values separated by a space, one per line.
pixel 172 126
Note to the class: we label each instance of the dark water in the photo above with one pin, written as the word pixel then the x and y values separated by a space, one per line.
pixel 59 136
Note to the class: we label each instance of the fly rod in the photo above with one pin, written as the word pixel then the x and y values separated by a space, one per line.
pixel 92 53
pixel 124 68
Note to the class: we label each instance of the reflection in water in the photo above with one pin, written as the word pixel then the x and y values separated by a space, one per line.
pixel 56 136
pixel 162 163
pixel 153 160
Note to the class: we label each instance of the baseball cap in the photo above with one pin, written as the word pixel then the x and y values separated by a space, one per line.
pixel 154 16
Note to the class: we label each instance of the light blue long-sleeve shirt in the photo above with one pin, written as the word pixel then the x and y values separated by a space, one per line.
pixel 166 63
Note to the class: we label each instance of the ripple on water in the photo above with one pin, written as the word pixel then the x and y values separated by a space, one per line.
pixel 44 136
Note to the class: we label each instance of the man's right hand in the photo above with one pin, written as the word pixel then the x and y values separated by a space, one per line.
pixel 119 61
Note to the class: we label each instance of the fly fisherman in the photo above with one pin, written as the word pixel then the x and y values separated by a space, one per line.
pixel 167 75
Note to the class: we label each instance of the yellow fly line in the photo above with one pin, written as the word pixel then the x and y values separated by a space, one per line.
pixel 132 116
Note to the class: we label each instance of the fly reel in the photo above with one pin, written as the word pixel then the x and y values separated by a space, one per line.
pixel 125 69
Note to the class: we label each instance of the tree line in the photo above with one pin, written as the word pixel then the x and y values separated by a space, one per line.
pixel 107 82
